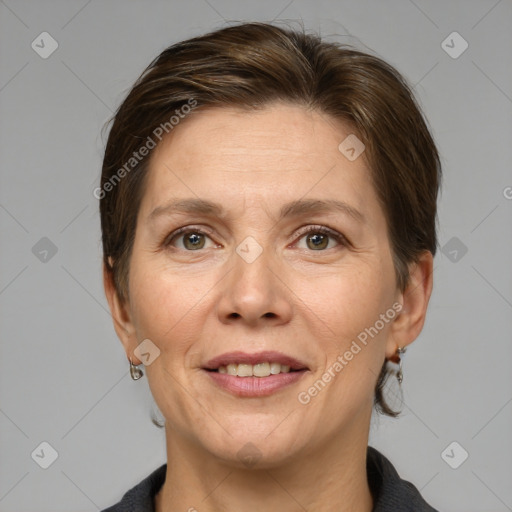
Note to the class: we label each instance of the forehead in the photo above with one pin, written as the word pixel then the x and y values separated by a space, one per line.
pixel 277 154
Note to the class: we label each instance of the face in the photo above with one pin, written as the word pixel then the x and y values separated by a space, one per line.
pixel 256 234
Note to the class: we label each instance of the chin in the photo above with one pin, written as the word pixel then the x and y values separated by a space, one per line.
pixel 251 444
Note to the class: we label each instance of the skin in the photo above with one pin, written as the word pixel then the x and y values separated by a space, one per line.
pixel 307 302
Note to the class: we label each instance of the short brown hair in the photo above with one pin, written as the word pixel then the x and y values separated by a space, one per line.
pixel 249 66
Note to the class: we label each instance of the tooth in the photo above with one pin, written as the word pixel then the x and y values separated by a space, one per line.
pixel 231 369
pixel 275 368
pixel 261 370
pixel 258 370
pixel 244 370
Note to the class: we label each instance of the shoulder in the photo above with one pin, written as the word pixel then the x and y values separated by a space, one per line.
pixel 140 498
pixel 390 492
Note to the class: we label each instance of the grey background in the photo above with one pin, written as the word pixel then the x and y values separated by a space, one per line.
pixel 63 373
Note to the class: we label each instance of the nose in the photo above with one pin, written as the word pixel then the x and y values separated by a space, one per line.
pixel 254 293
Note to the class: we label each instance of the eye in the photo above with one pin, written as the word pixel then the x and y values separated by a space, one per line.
pixel 188 239
pixel 318 238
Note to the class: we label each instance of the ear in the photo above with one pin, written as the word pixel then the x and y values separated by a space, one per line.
pixel 121 316
pixel 408 324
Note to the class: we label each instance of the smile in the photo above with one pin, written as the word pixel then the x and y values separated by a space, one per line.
pixel 254 375
pixel 254 370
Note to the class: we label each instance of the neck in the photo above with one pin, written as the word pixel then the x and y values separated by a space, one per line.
pixel 331 478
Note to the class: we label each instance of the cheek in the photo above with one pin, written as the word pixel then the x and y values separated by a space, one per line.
pixel 342 310
pixel 346 301
pixel 167 309
pixel 165 304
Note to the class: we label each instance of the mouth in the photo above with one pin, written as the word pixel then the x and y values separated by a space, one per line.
pixel 259 374
pixel 254 370
pixel 261 364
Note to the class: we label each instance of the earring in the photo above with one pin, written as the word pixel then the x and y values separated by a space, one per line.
pixel 135 373
pixel 399 374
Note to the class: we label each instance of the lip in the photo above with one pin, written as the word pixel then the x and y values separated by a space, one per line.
pixel 254 386
pixel 269 356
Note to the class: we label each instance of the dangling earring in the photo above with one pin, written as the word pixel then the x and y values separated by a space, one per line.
pixel 135 373
pixel 399 373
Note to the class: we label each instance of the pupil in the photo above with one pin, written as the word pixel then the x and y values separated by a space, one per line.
pixel 194 240
pixel 318 240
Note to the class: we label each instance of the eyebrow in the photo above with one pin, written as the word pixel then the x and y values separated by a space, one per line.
pixel 309 206
pixel 293 209
pixel 192 205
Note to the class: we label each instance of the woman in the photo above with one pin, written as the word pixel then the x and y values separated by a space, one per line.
pixel 268 210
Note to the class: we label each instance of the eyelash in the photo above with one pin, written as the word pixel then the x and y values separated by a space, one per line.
pixel 182 231
pixel 341 239
pixel 324 231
